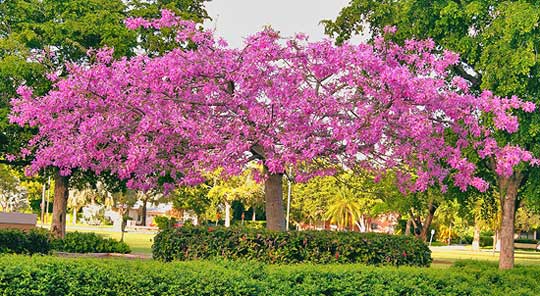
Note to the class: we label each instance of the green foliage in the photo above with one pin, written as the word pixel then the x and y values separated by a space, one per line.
pixel 161 42
pixel 486 241
pixel 344 199
pixel 526 241
pixel 67 29
pixel 14 241
pixel 164 222
pixel 78 242
pixel 497 42
pixel 82 276
pixel 254 224
pixel 188 243
pixel 192 198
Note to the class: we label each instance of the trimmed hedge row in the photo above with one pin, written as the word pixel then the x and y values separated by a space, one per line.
pixel 79 242
pixel 14 241
pixel 188 243
pixel 526 241
pixel 21 275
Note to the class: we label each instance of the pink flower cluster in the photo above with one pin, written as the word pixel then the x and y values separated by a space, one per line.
pixel 298 103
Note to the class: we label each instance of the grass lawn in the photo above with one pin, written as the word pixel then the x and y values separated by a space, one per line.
pixel 140 243
pixel 443 256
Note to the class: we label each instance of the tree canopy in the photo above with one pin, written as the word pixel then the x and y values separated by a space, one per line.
pixel 165 120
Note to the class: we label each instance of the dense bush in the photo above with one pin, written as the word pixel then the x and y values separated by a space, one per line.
pixel 188 243
pixel 486 241
pixel 163 222
pixel 526 241
pixel 21 275
pixel 78 242
pixel 14 241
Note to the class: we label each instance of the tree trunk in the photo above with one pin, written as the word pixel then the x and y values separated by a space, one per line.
pixel 61 190
pixel 509 187
pixel 273 191
pixel 144 210
pixel 125 218
pixel 362 225
pixel 254 215
pixel 495 239
pixel 227 214
pixel 408 227
pixel 74 218
pixel 476 237
pixel 423 234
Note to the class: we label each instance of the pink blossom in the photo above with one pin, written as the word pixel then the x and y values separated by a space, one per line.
pixel 376 107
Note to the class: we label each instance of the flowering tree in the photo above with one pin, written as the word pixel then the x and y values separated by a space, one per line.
pixel 166 120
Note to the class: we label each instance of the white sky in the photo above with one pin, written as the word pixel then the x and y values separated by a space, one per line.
pixel 236 19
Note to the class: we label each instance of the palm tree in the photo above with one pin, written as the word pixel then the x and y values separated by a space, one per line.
pixel 345 210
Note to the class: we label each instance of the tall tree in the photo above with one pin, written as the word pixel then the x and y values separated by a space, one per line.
pixel 62 32
pixel 168 120
pixel 498 44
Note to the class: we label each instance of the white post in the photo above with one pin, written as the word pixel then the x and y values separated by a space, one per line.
pixel 227 214
pixel 43 204
pixel 48 197
pixel 288 201
pixel 431 238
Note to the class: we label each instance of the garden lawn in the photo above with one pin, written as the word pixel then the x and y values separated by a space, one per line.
pixel 443 256
pixel 48 275
pixel 140 243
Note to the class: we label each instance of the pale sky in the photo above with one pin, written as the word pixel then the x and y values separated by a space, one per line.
pixel 236 19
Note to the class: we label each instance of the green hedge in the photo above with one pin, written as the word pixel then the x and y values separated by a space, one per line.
pixel 187 243
pixel 79 242
pixel 526 241
pixel 43 275
pixel 14 241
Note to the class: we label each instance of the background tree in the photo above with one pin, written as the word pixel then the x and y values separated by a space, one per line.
pixel 12 194
pixel 61 32
pixel 281 104
pixel 498 44
pixel 193 198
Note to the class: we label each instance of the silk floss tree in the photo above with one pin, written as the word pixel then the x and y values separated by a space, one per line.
pixel 165 121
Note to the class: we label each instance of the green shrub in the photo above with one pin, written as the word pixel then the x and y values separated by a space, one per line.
pixel 164 222
pixel 43 275
pixel 78 242
pixel 525 241
pixel 252 224
pixel 486 241
pixel 188 243
pixel 14 241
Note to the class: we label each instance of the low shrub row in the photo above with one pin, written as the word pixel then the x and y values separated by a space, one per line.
pixel 21 275
pixel 13 241
pixel 188 243
pixel 79 242
pixel 526 241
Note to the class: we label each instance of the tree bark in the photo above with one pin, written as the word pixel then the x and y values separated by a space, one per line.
pixel 227 214
pixel 273 191
pixel 408 227
pixel 509 187
pixel 429 218
pixel 476 237
pixel 61 191
pixel 254 215
pixel 144 210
